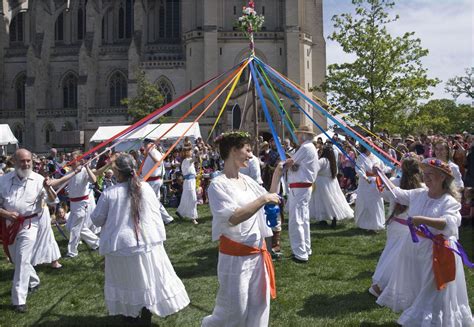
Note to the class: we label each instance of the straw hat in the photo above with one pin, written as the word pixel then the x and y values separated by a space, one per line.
pixel 438 164
pixel 305 129
pixel 396 137
pixel 410 138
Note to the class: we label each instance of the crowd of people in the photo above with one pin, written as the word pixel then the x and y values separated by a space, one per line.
pixel 104 202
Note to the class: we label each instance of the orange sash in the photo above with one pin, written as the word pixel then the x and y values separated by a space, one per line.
pixel 444 264
pixel 229 247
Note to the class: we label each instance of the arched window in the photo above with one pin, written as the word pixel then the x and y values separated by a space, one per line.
pixel 166 91
pixel 70 91
pixel 125 20
pixel 164 20
pixel 121 29
pixel 18 132
pixel 81 23
pixel 59 28
pixel 48 130
pixel 117 89
pixel 20 91
pixel 17 28
pixel 236 116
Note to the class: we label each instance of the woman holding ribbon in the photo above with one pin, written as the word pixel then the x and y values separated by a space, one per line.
pixel 188 204
pixel 245 270
pixel 428 281
pixel 139 277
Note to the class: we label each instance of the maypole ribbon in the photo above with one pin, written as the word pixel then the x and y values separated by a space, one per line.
pixel 340 123
pixel 231 91
pixel 157 164
pixel 282 114
pixel 315 105
pixel 266 112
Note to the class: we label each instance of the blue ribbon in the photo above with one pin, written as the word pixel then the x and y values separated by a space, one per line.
pixel 280 149
pixel 326 114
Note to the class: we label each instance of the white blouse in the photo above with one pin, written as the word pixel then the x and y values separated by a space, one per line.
pixel 224 199
pixel 113 214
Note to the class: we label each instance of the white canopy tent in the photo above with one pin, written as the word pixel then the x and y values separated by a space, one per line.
pixel 6 137
pixel 152 131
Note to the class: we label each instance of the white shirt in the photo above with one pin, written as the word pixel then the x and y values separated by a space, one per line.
pixel 457 175
pixel 23 196
pixel 113 214
pixel 307 160
pixel 78 186
pixel 149 163
pixel 187 167
pixel 253 170
pixel 224 199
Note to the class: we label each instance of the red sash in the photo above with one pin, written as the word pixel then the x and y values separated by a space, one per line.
pixel 229 247
pixel 153 178
pixel 9 233
pixel 444 263
pixel 85 197
pixel 300 185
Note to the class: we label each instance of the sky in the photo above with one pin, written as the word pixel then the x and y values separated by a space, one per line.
pixel 445 27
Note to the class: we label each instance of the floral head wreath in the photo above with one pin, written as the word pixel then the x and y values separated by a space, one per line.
pixel 241 134
pixel 438 164
pixel 410 155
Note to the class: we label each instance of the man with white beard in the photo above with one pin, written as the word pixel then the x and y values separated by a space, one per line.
pixel 22 192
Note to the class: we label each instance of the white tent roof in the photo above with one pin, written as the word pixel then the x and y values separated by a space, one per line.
pixel 6 135
pixel 152 131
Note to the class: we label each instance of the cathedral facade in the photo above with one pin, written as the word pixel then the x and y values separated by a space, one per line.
pixel 67 64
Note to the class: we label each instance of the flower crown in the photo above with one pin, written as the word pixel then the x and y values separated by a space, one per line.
pixel 241 134
pixel 436 163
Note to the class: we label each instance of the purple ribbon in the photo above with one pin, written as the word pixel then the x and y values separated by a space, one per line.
pixel 428 234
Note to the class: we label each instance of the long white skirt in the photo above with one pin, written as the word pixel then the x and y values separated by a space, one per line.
pixel 396 234
pixel 328 201
pixel 46 249
pixel 369 209
pixel 243 298
pixel 188 204
pixel 143 280
pixel 424 305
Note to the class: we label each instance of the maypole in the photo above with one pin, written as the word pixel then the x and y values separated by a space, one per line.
pixel 249 23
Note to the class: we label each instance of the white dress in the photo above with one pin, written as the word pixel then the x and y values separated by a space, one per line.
pixel 396 234
pixel 328 201
pixel 46 249
pixel 188 204
pixel 243 298
pixel 369 209
pixel 138 273
pixel 412 287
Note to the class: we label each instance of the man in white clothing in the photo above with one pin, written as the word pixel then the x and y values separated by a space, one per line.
pixel 253 170
pixel 22 192
pixel 302 172
pixel 79 193
pixel 152 156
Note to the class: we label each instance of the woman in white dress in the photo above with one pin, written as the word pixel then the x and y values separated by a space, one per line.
pixel 369 208
pixel 397 231
pixel 139 277
pixel 245 270
pixel 327 201
pixel 188 204
pixel 430 294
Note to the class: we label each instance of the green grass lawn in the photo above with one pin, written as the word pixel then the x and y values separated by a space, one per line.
pixel 329 291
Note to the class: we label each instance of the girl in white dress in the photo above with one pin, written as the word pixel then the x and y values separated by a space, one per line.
pixel 369 208
pixel 236 203
pixel 328 201
pixel 188 204
pixel 415 286
pixel 139 277
pixel 396 230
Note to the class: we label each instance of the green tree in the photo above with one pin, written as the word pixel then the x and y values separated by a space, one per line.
pixel 439 116
pixel 386 76
pixel 147 100
pixel 462 85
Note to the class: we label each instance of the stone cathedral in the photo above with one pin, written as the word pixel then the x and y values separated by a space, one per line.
pixel 66 64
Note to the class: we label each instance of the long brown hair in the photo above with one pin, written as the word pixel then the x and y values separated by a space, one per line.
pixel 126 166
pixel 411 179
pixel 328 153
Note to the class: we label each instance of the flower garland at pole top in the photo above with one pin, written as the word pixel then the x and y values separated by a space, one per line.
pixel 249 23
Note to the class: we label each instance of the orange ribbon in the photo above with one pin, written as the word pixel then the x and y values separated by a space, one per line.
pixel 229 247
